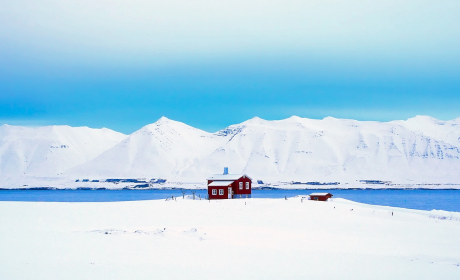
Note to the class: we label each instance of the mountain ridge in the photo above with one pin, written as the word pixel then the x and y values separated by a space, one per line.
pixel 294 149
pixel 421 149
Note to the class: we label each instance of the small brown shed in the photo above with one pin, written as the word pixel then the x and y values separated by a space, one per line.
pixel 320 196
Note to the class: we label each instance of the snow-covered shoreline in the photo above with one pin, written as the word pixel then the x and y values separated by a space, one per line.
pixel 66 184
pixel 246 239
pixel 181 188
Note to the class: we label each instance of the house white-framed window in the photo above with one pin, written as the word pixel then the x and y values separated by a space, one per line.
pixel 221 192
pixel 214 192
pixel 247 185
pixel 241 185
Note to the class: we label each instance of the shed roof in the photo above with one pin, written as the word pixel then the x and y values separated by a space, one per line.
pixel 320 194
pixel 220 183
pixel 226 177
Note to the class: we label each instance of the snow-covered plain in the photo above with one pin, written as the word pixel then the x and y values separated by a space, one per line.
pixel 421 150
pixel 231 239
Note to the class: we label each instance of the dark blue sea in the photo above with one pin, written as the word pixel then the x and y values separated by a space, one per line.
pixel 448 200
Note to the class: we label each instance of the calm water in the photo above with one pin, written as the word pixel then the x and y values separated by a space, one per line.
pixel 448 200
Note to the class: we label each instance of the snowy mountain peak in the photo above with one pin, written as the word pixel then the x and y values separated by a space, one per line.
pixel 423 119
pixel 163 119
pixel 332 119
pixel 259 121
pixel 296 118
pixel 253 121
pixel 295 148
pixel 4 127
pixel 165 125
pixel 51 150
pixel 164 148
pixel 256 119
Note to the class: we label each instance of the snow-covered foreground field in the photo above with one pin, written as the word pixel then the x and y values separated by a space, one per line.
pixel 243 239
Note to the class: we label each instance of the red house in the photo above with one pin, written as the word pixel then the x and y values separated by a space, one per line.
pixel 320 196
pixel 229 186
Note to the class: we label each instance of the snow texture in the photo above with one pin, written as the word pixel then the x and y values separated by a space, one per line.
pixel 294 149
pixel 418 150
pixel 228 239
pixel 51 150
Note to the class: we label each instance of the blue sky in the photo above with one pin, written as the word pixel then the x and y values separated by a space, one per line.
pixel 124 64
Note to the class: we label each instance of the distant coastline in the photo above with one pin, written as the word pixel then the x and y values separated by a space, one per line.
pixel 203 188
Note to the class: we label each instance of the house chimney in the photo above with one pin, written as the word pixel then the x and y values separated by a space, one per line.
pixel 225 170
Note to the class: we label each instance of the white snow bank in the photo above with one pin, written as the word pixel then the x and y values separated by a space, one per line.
pixel 445 215
pixel 228 239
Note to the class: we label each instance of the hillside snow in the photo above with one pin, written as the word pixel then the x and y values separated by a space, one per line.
pixel 418 150
pixel 165 148
pixel 51 150
pixel 298 149
pixel 447 131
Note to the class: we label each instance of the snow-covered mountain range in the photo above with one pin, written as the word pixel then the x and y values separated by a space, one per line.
pixel 51 150
pixel 421 149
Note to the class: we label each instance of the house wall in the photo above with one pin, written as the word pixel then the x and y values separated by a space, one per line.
pixel 217 196
pixel 237 193
pixel 244 191
pixel 320 198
